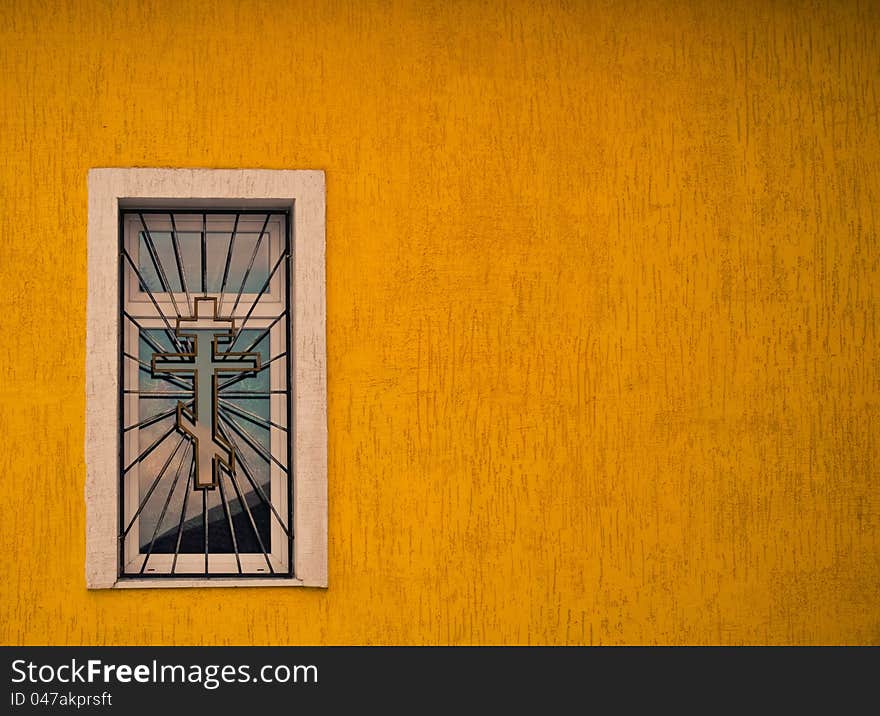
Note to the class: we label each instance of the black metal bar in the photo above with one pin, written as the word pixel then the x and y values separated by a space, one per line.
pixel 155 418
pixel 265 331
pixel 205 524
pixel 239 458
pixel 153 487
pixel 144 333
pixel 150 449
pixel 204 254
pixel 249 439
pixel 265 395
pixel 251 417
pixel 226 210
pixel 243 501
pixel 251 264
pixel 197 575
pixel 228 262
pixel 162 514
pixel 180 270
pixel 122 376
pixel 148 369
pixel 255 394
pixel 291 457
pixel 242 376
pixel 157 264
pixel 257 300
pixel 229 521
pixel 170 331
pixel 190 481
pixel 163 394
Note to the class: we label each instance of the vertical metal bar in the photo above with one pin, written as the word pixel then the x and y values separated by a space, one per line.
pixel 248 438
pixel 147 369
pixel 162 514
pixel 242 376
pixel 205 254
pixel 144 333
pixel 228 262
pixel 243 501
pixel 180 270
pixel 251 264
pixel 257 299
pixel 122 380
pixel 288 351
pixel 205 524
pixel 157 264
pixel 153 485
pixel 265 332
pixel 146 422
pixel 150 449
pixel 253 483
pixel 257 420
pixel 229 520
pixel 169 330
pixel 190 481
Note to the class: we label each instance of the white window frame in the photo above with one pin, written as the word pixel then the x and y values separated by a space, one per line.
pixel 139 304
pixel 302 192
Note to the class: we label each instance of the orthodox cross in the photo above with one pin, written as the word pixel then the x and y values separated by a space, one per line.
pixel 205 361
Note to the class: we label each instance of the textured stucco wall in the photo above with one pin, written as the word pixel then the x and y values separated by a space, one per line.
pixel 602 309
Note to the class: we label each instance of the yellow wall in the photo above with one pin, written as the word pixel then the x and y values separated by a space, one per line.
pixel 602 284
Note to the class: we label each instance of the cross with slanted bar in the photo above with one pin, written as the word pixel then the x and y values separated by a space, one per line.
pixel 212 452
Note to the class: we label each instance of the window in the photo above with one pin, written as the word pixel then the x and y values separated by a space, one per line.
pixel 216 469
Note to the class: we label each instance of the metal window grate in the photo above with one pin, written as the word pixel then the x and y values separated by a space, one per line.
pixel 204 393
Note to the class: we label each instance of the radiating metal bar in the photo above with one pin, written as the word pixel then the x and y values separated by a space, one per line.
pixel 144 333
pixel 242 376
pixel 163 394
pixel 204 254
pixel 251 417
pixel 265 331
pixel 228 262
pixel 205 524
pixel 155 418
pixel 243 501
pixel 251 264
pixel 150 449
pixel 162 513
pixel 153 486
pixel 240 459
pixel 249 439
pixel 256 394
pixel 265 395
pixel 148 369
pixel 190 481
pixel 229 521
pixel 170 331
pixel 157 264
pixel 180 270
pixel 257 299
